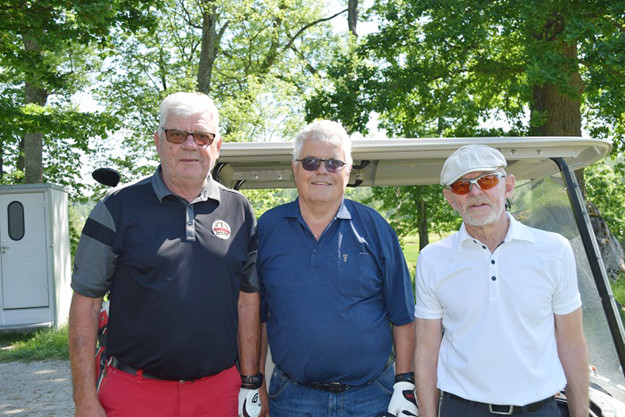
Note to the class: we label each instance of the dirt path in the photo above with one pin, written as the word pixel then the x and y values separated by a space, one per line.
pixel 40 389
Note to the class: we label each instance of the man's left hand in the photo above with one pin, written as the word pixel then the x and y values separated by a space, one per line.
pixel 249 403
pixel 403 402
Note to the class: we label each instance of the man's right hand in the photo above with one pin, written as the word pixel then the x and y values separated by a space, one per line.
pixel 264 400
pixel 92 409
pixel 403 403
pixel 83 332
pixel 249 402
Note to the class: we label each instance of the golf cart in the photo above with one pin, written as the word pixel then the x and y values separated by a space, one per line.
pixel 547 196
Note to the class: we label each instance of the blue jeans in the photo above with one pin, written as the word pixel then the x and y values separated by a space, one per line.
pixel 289 399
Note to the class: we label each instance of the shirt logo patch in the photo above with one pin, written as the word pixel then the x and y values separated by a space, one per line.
pixel 221 229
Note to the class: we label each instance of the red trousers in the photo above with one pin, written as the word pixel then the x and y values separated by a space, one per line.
pixel 126 395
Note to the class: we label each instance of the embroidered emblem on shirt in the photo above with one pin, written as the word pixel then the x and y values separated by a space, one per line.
pixel 221 229
pixel 345 257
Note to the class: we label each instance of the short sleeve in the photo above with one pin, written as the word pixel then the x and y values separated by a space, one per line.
pixel 427 305
pixel 249 275
pixel 94 261
pixel 566 298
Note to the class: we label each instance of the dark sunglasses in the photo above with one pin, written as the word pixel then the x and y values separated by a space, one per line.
pixel 179 136
pixel 485 182
pixel 312 164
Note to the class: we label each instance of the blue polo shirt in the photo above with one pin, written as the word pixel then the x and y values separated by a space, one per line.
pixel 328 303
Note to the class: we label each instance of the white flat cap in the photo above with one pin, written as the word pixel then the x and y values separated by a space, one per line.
pixel 471 158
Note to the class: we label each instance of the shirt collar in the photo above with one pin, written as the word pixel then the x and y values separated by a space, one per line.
pixel 294 211
pixel 210 190
pixel 516 231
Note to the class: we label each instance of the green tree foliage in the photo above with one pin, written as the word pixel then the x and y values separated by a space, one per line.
pixel 449 67
pixel 258 59
pixel 46 55
pixel 406 208
pixel 605 187
pixel 263 200
pixel 479 68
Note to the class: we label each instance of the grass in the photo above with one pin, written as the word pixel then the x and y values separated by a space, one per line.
pixel 43 344
pixel 411 249
pixel 618 289
pixel 411 252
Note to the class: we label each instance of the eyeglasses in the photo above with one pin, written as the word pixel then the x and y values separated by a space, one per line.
pixel 312 164
pixel 180 136
pixel 485 182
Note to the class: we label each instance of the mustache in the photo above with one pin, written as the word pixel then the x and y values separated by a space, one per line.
pixel 474 201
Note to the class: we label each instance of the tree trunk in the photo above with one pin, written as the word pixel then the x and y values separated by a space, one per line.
pixel 33 161
pixel 561 114
pixel 424 238
pixel 208 51
pixel 422 218
pixel 19 163
pixel 33 141
pixel 352 16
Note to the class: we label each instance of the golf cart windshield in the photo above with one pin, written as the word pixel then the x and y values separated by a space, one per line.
pixel 546 197
pixel 545 204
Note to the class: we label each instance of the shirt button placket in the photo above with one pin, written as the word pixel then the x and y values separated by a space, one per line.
pixel 494 284
pixel 190 226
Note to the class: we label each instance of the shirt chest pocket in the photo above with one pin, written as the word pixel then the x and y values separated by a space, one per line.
pixel 358 275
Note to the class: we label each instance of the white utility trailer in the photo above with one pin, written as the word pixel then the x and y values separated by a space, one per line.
pixel 35 267
pixel 546 196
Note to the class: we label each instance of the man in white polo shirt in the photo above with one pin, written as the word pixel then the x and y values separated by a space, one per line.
pixel 507 298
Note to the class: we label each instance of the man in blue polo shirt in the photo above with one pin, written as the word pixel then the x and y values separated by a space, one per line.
pixel 177 253
pixel 335 294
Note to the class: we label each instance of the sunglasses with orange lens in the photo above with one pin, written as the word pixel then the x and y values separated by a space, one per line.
pixel 485 182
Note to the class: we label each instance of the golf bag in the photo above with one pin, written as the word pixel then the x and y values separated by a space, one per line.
pixel 101 356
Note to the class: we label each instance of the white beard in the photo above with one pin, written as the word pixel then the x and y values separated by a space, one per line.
pixel 483 219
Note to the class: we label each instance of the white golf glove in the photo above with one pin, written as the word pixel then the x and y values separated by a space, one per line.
pixel 403 402
pixel 249 402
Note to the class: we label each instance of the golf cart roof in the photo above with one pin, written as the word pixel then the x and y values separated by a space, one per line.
pixel 419 162
pixel 403 161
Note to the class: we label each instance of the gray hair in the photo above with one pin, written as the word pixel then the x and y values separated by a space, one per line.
pixel 325 131
pixel 188 104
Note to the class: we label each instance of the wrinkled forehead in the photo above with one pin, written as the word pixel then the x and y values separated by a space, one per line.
pixel 194 121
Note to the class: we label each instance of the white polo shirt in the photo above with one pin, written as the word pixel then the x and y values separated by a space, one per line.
pixel 497 310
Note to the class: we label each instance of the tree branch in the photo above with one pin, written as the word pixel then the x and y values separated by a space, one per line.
pixel 316 22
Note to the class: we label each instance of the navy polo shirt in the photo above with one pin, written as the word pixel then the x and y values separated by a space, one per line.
pixel 174 270
pixel 328 303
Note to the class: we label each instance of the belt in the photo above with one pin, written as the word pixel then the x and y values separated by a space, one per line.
pixel 505 410
pixel 327 386
pixel 335 387
pixel 115 363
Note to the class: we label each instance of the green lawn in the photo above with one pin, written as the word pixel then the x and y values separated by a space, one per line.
pixel 411 250
pixel 411 253
pixel 34 346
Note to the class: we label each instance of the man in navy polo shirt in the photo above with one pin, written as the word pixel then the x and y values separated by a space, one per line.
pixel 336 294
pixel 177 253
